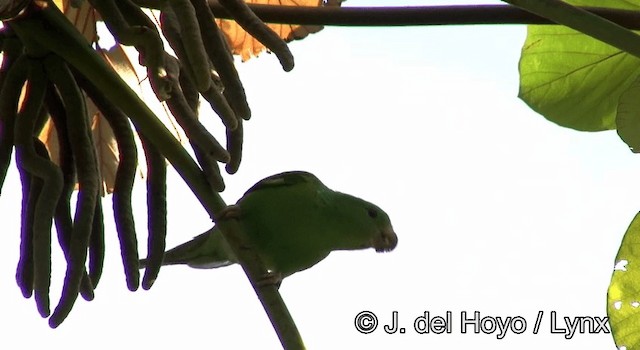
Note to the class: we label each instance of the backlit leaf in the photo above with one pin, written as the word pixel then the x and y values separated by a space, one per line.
pixel 572 79
pixel 623 296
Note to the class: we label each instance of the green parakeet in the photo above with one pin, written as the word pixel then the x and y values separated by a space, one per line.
pixel 294 221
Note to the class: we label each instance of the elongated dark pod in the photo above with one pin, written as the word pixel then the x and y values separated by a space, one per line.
pixel 206 159
pixel 96 246
pixel 63 222
pixel 11 51
pixel 234 145
pixel 171 32
pixel 186 117
pixel 14 76
pixel 125 177
pixel 218 51
pixel 136 18
pixel 219 104
pixel 210 168
pixel 195 131
pixel 207 163
pixel 219 55
pixel 248 20
pixel 134 15
pixel 189 90
pixel 215 98
pixel 189 99
pixel 39 190
pixel 183 107
pixel 185 15
pixel 156 210
pixel 31 187
pixel 146 40
pixel 51 175
pixel 88 182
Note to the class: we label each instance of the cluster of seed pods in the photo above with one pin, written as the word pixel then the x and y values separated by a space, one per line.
pixel 36 85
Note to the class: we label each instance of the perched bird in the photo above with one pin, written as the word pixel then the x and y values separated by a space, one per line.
pixel 294 221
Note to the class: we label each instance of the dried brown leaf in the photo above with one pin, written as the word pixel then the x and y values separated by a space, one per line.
pixel 106 152
pixel 243 44
pixel 83 18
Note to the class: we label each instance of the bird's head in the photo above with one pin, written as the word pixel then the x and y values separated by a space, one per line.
pixel 368 226
pixel 384 238
pixel 385 241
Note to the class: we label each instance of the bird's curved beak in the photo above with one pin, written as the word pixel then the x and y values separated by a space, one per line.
pixel 386 241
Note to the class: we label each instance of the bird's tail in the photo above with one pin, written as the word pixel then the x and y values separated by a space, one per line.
pixel 206 251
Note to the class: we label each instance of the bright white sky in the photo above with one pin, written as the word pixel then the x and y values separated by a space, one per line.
pixel 497 210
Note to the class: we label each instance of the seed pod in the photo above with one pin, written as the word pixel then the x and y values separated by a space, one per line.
pixel 156 211
pixel 234 145
pixel 185 15
pixel 63 222
pixel 208 164
pixel 88 181
pixel 96 246
pixel 52 184
pixel 189 90
pixel 31 187
pixel 220 56
pixel 125 177
pixel 186 117
pixel 248 20
pixel 219 105
pixel 12 78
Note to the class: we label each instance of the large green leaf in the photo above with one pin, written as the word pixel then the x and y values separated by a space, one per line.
pixel 628 116
pixel 623 296
pixel 572 79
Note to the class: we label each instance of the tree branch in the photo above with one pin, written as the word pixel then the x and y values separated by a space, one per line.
pixel 408 16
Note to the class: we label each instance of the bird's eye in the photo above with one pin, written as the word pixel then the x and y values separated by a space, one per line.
pixel 372 213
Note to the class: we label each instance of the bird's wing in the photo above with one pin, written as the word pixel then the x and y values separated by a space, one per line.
pixel 289 178
pixel 205 251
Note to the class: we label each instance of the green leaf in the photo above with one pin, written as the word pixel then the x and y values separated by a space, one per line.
pixel 628 116
pixel 623 296
pixel 572 79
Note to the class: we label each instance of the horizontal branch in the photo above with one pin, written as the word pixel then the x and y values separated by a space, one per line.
pixel 406 15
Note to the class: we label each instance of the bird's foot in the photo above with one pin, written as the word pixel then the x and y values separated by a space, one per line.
pixel 230 212
pixel 270 279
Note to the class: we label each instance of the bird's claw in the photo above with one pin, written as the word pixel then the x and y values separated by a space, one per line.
pixel 230 212
pixel 270 279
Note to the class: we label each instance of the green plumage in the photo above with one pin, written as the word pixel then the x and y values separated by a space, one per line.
pixel 294 221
